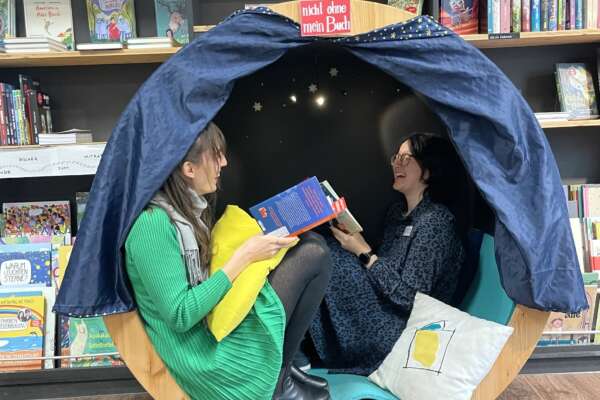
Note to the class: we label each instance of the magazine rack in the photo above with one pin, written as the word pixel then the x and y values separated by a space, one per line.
pixel 144 363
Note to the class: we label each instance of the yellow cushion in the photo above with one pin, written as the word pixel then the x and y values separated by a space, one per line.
pixel 229 233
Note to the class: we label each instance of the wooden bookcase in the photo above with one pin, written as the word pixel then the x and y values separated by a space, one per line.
pixel 90 90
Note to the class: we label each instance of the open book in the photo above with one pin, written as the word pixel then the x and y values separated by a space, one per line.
pixel 302 208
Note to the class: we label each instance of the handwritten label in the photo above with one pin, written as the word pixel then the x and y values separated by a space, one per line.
pixel 324 17
pixel 15 272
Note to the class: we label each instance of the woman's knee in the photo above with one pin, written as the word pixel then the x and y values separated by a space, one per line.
pixel 313 248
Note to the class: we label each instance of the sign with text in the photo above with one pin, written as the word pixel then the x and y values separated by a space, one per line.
pixel 324 17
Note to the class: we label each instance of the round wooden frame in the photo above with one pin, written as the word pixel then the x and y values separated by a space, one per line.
pixel 144 363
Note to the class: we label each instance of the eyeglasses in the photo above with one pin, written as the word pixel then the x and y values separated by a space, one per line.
pixel 402 159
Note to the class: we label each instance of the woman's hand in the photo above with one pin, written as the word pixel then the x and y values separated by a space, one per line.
pixel 257 248
pixel 354 243
pixel 262 247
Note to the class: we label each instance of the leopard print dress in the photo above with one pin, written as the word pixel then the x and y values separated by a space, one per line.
pixel 364 311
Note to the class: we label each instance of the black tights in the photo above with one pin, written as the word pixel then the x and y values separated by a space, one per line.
pixel 300 281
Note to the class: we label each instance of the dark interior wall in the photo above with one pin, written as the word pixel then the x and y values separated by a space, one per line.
pixel 348 141
pixel 532 69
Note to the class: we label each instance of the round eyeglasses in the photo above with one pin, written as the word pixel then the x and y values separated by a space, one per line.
pixel 402 159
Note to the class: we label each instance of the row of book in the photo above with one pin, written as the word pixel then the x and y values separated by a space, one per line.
pixel 34 253
pixel 574 328
pixel 506 16
pixel 108 21
pixel 583 203
pixel 24 112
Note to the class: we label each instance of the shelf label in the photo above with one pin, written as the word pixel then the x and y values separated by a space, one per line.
pixel 324 17
pixel 50 161
pixel 504 36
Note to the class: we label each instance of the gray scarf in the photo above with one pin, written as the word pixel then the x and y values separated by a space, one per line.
pixel 185 234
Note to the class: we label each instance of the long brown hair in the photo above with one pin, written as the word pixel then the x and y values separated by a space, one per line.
pixel 176 188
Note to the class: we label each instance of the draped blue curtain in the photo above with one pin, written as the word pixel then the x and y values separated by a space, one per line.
pixel 491 125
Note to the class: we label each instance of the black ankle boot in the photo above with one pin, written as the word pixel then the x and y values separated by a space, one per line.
pixel 288 388
pixel 307 379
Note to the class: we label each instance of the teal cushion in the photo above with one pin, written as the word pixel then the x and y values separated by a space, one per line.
pixel 486 297
pixel 352 387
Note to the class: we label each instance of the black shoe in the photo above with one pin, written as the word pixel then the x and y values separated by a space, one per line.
pixel 289 389
pixel 307 379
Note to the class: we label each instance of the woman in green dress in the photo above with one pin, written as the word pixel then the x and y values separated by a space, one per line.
pixel 167 254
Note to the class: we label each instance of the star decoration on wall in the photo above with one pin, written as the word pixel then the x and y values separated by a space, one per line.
pixel 257 107
pixel 333 72
pixel 313 88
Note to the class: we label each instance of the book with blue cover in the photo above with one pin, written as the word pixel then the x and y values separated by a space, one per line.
pixel 25 264
pixel 300 209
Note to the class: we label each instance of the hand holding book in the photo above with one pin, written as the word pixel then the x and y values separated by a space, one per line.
pixel 302 208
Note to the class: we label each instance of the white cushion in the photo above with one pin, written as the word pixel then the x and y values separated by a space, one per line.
pixel 442 354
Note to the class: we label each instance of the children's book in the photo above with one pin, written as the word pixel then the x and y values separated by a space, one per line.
pixel 111 20
pixel 50 18
pixel 25 264
pixel 412 6
pixel 79 336
pixel 81 199
pixel 174 19
pixel 37 218
pixel 296 210
pixel 460 16
pixel 7 18
pixel 576 90
pixel 21 329
pixel 562 322
pixel 344 221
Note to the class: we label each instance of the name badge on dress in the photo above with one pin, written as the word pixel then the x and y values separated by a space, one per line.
pixel 407 230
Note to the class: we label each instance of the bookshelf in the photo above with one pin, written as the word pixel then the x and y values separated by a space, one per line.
pixel 533 39
pixel 569 124
pixel 526 39
pixel 92 57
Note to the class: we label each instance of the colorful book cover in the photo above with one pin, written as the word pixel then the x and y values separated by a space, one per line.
pixel 496 6
pixel 526 16
pixel 544 7
pixel 37 218
pixel 412 6
pixel 81 199
pixel 111 20
pixel 516 16
pixel 560 19
pixel 21 329
pixel 579 14
pixel 576 90
pixel 90 336
pixel 79 336
pixel 505 16
pixel 7 19
pixel 174 19
pixel 552 15
pixel 581 321
pixel 296 210
pixel 25 264
pixel 460 16
pixel 572 13
pixel 490 16
pixel 51 18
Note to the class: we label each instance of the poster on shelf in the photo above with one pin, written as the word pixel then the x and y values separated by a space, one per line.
pixel 50 161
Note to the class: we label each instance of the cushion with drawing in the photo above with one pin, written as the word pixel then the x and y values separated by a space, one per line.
pixel 230 232
pixel 443 353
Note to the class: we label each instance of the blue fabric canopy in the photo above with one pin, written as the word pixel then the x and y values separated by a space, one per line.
pixel 492 126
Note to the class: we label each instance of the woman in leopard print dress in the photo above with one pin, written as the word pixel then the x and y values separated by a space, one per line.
pixel 371 294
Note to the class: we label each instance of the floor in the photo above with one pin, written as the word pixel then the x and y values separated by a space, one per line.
pixel 580 386
pixel 585 386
